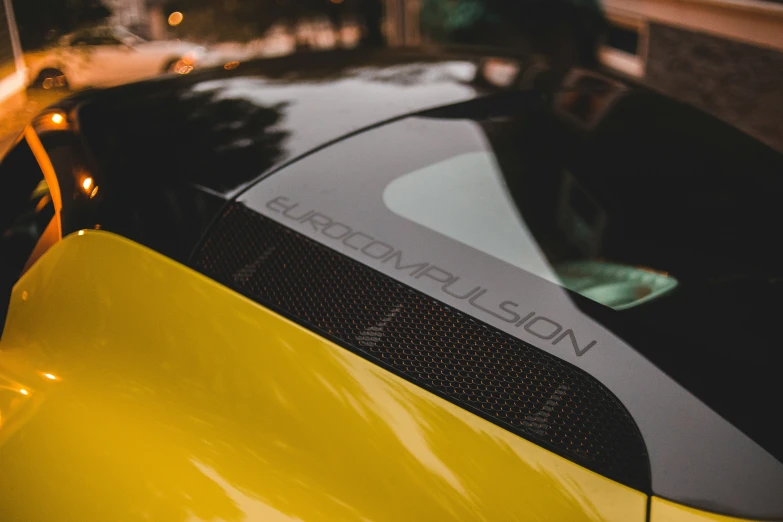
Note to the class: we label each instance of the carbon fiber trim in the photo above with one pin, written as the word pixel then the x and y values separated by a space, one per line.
pixel 506 381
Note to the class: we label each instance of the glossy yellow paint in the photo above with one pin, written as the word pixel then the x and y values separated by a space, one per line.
pixel 154 393
pixel 666 511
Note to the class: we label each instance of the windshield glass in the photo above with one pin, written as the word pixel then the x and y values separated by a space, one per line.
pixel 616 211
pixel 466 199
pixel 506 210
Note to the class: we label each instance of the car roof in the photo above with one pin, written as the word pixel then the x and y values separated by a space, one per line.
pixel 221 130
pixel 215 132
pixel 317 98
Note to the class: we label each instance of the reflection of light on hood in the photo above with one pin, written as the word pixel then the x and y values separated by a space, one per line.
pixel 405 420
pixel 251 506
pixel 569 478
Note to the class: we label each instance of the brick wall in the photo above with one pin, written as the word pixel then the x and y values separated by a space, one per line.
pixel 740 83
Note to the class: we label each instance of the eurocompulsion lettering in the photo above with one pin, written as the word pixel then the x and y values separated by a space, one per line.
pixel 478 297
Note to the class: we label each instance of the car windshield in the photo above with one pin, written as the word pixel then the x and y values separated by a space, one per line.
pixel 505 209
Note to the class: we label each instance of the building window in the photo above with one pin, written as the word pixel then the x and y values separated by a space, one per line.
pixel 623 39
pixel 625 46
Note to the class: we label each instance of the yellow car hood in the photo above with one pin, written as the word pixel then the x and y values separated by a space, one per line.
pixel 132 388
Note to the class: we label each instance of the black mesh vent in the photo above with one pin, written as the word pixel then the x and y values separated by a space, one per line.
pixel 465 361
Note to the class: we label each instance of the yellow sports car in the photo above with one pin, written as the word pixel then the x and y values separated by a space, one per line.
pixel 406 287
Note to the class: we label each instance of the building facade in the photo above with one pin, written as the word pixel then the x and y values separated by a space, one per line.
pixel 723 56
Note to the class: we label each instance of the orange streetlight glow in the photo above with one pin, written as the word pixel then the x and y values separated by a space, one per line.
pixel 175 18
pixel 57 118
pixel 87 184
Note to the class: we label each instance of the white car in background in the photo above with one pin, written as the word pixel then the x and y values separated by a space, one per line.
pixel 106 56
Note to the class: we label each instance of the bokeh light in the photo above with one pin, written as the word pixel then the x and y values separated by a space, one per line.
pixel 175 18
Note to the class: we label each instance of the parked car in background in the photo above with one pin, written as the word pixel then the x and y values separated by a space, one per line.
pixel 280 40
pixel 107 56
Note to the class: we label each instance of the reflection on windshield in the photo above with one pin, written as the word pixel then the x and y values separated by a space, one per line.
pixel 466 199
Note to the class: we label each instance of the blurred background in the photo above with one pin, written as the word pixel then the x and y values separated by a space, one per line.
pixel 724 56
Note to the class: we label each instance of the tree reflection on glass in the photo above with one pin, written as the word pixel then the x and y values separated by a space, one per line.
pixel 161 154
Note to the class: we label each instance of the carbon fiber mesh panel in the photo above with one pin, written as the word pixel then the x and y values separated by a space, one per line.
pixel 465 361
